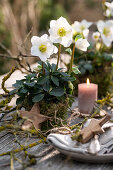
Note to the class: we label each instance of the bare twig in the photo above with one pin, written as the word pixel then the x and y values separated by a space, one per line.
pixel 27 37
pixel 5 49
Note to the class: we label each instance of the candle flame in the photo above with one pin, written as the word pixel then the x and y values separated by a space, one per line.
pixel 88 82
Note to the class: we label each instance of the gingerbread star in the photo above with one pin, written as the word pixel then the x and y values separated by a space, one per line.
pixel 94 127
pixel 33 116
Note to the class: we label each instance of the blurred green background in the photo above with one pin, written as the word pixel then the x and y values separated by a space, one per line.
pixel 17 17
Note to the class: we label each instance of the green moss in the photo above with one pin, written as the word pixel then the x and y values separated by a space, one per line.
pixel 56 111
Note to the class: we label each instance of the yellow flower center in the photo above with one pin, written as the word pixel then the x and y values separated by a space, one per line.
pixel 106 31
pixel 82 27
pixel 42 48
pixel 61 32
pixel 96 36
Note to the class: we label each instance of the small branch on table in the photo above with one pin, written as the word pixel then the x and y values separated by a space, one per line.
pixel 25 147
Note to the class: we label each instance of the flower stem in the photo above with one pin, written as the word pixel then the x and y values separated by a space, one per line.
pixel 59 50
pixel 43 71
pixel 72 57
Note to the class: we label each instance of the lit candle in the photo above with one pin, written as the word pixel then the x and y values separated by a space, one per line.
pixel 87 95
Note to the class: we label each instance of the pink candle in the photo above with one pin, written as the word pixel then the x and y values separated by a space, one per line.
pixel 87 95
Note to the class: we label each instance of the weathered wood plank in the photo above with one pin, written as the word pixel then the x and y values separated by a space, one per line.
pixel 51 160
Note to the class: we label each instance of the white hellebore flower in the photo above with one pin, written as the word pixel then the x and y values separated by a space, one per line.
pixel 81 27
pixel 109 10
pixel 96 36
pixel 82 44
pixel 60 32
pixel 108 13
pixel 42 47
pixel 106 31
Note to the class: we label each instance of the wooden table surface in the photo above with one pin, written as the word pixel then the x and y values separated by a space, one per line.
pixel 49 158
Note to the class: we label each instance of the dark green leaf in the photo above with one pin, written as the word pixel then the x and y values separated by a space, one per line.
pixel 55 80
pixel 13 91
pixel 53 67
pixel 30 84
pixel 20 94
pixel 42 80
pixel 18 83
pixel 68 78
pixel 29 76
pixel 46 86
pixel 56 73
pixel 39 62
pixel 88 66
pixel 23 90
pixel 108 57
pixel 19 100
pixel 49 65
pixel 37 90
pixel 59 69
pixel 57 91
pixel 82 70
pixel 64 74
pixel 38 98
pixel 81 62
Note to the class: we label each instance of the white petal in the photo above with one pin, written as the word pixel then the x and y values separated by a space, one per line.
pixel 66 42
pixel 86 23
pixel 51 48
pixel 82 44
pixel 53 32
pixel 76 26
pixel 107 4
pixel 55 39
pixel 34 51
pixel 106 41
pixel 44 37
pixel 100 25
pixel 35 40
pixel 55 49
pixel 85 33
pixel 52 23
pixel 62 20
pixel 43 57
pixel 109 23
pixel 108 13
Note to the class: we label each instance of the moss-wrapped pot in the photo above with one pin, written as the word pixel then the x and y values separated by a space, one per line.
pixel 55 110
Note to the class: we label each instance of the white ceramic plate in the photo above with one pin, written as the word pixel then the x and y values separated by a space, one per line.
pixel 79 151
pixel 79 154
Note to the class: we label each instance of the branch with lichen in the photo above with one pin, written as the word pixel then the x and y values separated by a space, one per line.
pixel 6 78
pixel 18 128
pixel 107 100
pixel 6 101
pixel 24 147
